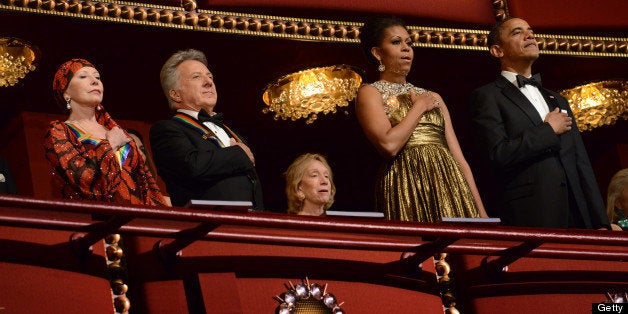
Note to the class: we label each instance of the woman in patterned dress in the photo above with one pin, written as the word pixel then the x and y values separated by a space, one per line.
pixel 425 176
pixel 92 157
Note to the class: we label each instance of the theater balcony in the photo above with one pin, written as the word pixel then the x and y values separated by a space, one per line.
pixel 224 260
pixel 77 257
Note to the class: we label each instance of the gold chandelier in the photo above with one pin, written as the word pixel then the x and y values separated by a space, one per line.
pixel 599 103
pixel 17 58
pixel 308 93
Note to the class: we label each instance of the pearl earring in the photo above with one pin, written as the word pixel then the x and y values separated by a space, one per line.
pixel 67 103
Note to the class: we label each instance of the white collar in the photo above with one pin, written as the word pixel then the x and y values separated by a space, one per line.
pixel 511 76
pixel 191 113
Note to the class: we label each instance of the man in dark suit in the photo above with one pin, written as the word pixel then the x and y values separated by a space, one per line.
pixel 195 153
pixel 7 185
pixel 530 138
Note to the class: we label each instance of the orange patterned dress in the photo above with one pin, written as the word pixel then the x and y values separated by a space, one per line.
pixel 86 168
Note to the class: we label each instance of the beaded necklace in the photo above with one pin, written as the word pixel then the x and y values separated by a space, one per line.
pixel 390 91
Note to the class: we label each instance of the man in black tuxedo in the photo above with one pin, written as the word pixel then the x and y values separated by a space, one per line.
pixel 195 153
pixel 530 138
pixel 7 185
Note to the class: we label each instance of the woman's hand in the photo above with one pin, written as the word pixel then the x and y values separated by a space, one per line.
pixel 117 138
pixel 427 100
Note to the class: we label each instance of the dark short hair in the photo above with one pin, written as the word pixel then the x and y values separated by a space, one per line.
pixel 372 34
pixel 494 36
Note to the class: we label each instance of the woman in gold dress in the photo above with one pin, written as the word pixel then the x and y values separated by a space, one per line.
pixel 425 176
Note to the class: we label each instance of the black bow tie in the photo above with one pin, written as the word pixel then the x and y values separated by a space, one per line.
pixel 534 80
pixel 217 118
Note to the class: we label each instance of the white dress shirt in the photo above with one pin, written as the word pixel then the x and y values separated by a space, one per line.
pixel 531 92
pixel 219 131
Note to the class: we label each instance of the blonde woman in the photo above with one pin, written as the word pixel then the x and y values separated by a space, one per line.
pixel 309 185
pixel 617 200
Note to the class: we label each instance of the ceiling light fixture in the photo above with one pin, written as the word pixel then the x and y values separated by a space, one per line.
pixel 599 103
pixel 308 93
pixel 17 58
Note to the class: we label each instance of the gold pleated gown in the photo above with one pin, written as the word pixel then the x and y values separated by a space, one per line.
pixel 423 182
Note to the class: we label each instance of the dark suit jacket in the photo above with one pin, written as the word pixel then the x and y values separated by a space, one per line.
pixel 536 169
pixel 196 168
pixel 7 185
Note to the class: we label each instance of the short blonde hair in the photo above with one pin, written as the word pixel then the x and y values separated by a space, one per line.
pixel 294 175
pixel 615 188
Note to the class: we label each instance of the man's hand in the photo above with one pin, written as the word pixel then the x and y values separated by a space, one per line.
pixel 245 148
pixel 559 121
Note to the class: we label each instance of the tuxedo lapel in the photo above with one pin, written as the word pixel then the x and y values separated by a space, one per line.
pixel 551 101
pixel 518 99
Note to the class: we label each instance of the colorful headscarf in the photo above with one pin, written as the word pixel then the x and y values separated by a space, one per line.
pixel 64 75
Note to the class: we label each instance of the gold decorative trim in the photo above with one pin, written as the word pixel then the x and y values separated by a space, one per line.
pixel 301 29
pixel 500 9
pixel 447 294
pixel 117 270
pixel 583 45
pixel 448 38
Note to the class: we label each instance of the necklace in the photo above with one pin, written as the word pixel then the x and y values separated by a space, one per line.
pixel 389 89
pixel 390 92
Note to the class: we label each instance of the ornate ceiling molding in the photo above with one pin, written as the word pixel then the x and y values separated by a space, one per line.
pixel 500 9
pixel 188 17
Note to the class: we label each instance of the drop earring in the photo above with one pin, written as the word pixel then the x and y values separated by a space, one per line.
pixel 67 103
pixel 381 66
pixel 300 196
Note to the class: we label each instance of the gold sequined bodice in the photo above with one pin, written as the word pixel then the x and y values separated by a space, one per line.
pixel 397 103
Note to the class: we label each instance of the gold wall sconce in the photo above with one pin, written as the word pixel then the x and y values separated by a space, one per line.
pixel 17 58
pixel 308 93
pixel 599 103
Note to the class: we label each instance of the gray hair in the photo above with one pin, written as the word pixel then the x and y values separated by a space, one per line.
pixel 169 75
